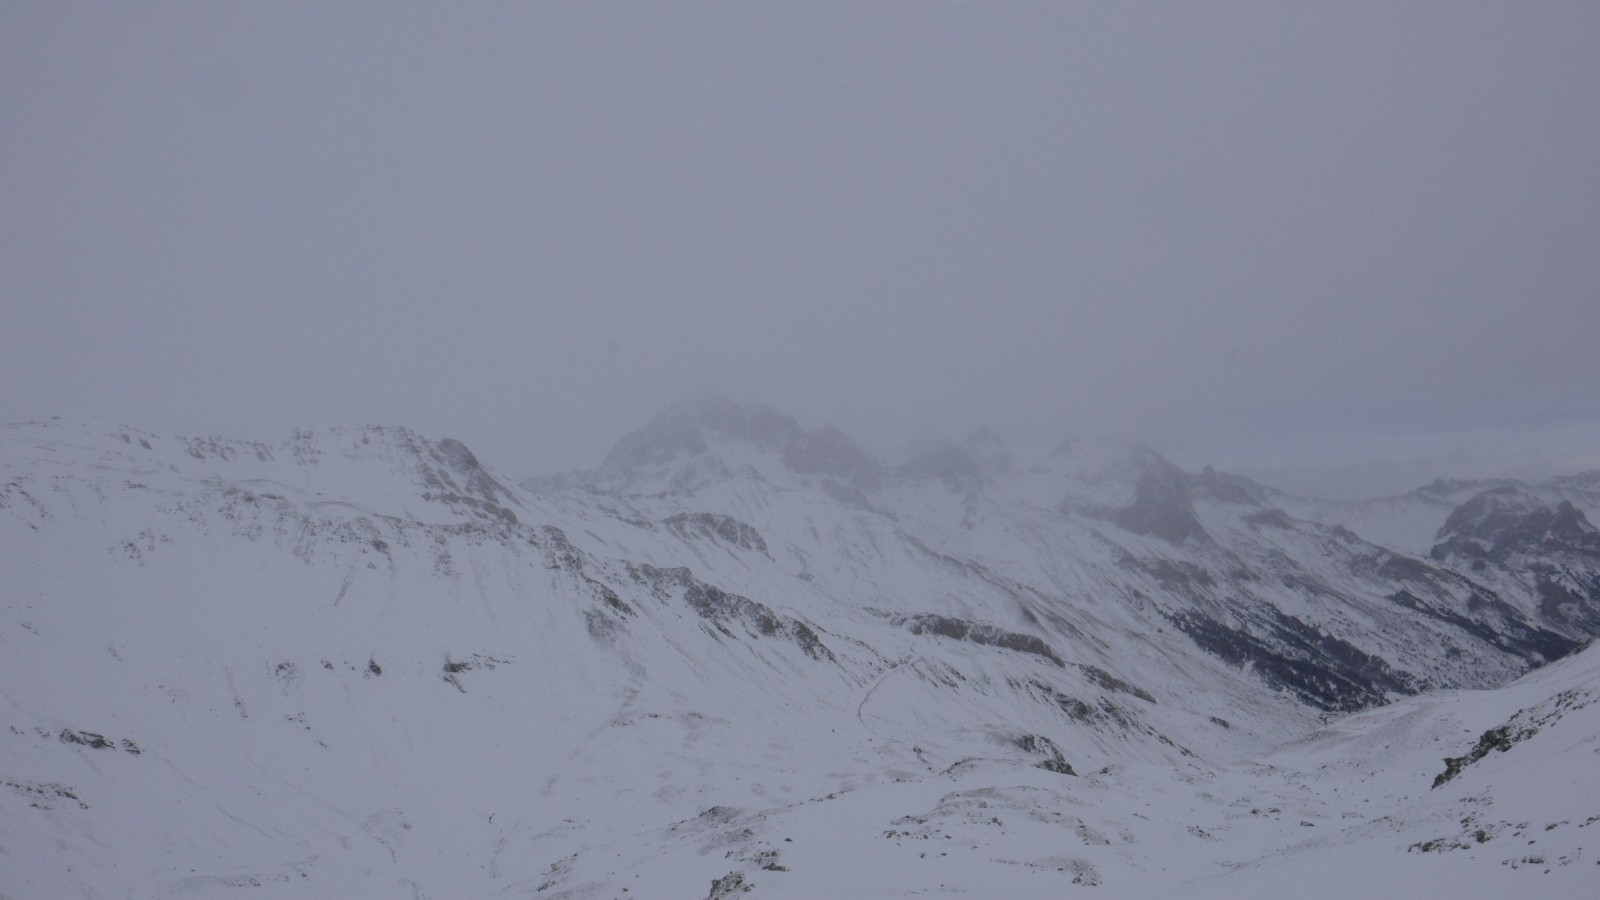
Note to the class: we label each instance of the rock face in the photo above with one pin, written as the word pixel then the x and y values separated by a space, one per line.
pixel 724 529
pixel 1285 652
pixel 1137 490
pixel 1162 506
pixel 461 482
pixel 1514 538
pixel 724 611
pixel 1500 524
pixel 981 633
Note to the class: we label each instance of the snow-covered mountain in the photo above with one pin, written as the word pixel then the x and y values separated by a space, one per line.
pixel 741 655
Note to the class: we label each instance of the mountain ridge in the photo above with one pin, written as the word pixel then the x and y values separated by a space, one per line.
pixel 534 676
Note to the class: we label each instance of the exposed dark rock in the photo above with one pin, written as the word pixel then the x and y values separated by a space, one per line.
pixel 659 580
pixel 559 552
pixel 476 661
pixel 86 738
pixel 459 458
pixel 1394 567
pixel 1552 546
pixel 1569 597
pixel 1163 504
pixel 729 885
pixel 720 607
pixel 601 628
pixel 1038 745
pixel 452 475
pixel 1496 524
pixel 1101 678
pixel 1502 738
pixel 723 609
pixel 1230 488
pixel 726 529
pixel 1318 668
pixel 1269 518
pixel 1525 724
pixel 42 794
pixel 982 633
pixel 768 860
pixel 1496 624
pixel 474 506
pixel 1075 709
pixel 609 597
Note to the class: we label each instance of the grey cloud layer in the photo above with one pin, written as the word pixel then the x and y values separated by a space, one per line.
pixel 532 226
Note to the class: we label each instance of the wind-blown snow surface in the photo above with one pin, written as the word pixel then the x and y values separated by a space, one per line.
pixel 742 655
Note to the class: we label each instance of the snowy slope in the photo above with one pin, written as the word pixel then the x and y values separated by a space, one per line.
pixel 1471 794
pixel 362 663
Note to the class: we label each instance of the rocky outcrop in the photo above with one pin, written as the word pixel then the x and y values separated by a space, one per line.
pixel 723 611
pixel 710 526
pixel 1162 507
pixel 981 633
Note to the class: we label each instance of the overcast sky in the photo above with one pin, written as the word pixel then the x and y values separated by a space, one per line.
pixel 1279 237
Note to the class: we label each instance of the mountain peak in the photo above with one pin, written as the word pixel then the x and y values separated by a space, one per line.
pixel 1130 485
pixel 712 425
pixel 689 427
pixel 986 449
pixel 1499 522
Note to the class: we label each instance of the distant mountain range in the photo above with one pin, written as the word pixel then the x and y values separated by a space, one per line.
pixel 743 656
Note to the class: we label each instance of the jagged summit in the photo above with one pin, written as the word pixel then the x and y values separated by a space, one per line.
pixel 1500 523
pixel 709 438
pixel 1226 487
pixel 693 426
pixel 1130 485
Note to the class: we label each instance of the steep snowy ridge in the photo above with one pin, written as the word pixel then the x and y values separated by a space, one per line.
pixel 741 654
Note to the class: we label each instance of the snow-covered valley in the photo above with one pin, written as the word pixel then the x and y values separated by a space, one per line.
pixel 740 657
